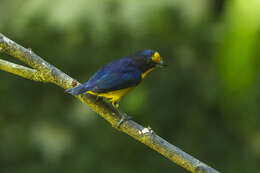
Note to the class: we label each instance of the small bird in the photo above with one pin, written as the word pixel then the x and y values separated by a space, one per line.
pixel 119 77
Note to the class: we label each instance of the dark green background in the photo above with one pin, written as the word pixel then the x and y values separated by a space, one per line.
pixel 206 102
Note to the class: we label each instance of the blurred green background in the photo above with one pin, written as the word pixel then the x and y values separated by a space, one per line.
pixel 206 102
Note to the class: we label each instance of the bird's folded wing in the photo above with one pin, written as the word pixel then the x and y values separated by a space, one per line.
pixel 117 80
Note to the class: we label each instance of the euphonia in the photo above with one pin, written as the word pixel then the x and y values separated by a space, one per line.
pixel 119 77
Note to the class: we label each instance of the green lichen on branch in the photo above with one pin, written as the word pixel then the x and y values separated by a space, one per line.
pixel 21 71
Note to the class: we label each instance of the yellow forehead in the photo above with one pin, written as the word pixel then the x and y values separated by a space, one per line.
pixel 156 57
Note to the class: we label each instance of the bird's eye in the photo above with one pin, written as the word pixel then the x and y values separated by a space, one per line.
pixel 156 58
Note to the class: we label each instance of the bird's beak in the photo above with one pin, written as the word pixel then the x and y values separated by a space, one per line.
pixel 161 64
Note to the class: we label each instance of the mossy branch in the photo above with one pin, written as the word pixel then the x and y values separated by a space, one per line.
pixel 42 71
pixel 20 70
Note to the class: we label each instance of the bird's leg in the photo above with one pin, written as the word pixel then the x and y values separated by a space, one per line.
pixel 124 118
pixel 115 104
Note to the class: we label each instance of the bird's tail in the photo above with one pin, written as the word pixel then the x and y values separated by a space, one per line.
pixel 76 90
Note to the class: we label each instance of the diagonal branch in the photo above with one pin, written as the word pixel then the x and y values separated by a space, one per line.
pixel 49 73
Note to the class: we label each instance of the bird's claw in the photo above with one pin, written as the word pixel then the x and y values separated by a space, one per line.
pixel 123 119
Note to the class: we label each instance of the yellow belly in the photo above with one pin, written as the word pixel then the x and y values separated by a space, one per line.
pixel 146 73
pixel 113 96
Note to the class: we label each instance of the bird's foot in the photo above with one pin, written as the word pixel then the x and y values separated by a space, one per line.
pixel 123 119
pixel 115 104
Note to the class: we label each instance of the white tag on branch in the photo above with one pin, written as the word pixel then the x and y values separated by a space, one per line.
pixel 146 130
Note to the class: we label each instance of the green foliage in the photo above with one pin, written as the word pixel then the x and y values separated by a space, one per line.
pixel 206 101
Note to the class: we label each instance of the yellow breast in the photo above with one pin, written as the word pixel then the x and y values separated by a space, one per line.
pixel 146 73
pixel 114 96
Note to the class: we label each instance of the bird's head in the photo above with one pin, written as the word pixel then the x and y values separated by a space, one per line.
pixel 147 59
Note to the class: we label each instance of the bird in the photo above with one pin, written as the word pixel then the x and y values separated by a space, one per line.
pixel 120 76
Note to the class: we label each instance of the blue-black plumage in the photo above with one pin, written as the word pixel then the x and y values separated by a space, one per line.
pixel 117 77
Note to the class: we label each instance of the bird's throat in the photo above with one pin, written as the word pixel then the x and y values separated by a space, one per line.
pixel 146 73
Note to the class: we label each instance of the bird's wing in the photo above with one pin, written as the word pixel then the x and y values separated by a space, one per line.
pixel 117 80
